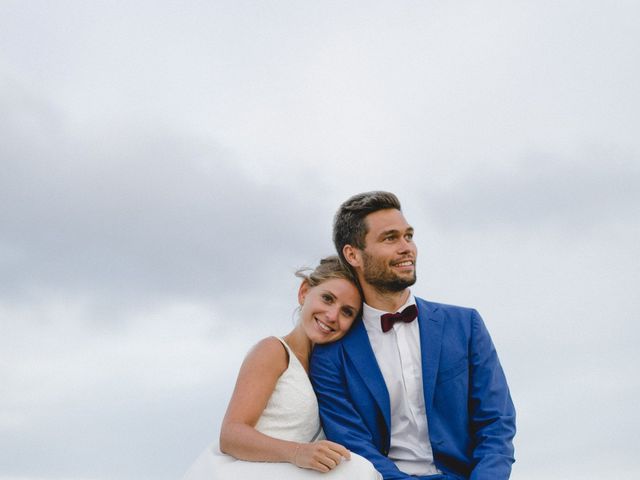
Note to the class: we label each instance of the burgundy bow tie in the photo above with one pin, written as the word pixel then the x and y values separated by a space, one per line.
pixel 407 315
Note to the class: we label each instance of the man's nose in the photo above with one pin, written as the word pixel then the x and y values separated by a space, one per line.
pixel 405 245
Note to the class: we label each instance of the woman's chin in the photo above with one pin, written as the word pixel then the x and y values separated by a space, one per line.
pixel 322 337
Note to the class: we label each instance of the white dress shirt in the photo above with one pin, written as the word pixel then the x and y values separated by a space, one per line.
pixel 398 354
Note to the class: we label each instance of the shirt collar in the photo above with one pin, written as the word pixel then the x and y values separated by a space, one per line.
pixel 371 316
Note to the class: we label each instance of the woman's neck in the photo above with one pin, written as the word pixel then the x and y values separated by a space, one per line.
pixel 300 344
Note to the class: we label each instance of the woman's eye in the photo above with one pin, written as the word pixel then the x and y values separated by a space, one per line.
pixel 327 298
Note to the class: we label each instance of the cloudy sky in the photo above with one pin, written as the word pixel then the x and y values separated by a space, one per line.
pixel 166 166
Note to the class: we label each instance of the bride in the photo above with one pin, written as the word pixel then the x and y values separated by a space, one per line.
pixel 271 429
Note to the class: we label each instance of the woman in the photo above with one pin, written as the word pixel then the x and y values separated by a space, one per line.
pixel 273 413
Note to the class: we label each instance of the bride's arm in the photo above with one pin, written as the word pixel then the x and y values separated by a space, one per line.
pixel 257 379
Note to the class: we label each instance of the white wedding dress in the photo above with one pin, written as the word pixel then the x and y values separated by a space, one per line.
pixel 291 414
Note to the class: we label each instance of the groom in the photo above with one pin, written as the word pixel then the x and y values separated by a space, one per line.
pixel 421 397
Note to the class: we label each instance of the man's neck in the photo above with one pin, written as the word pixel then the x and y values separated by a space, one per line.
pixel 385 301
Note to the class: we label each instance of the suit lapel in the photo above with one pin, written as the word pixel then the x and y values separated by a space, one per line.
pixel 431 324
pixel 358 349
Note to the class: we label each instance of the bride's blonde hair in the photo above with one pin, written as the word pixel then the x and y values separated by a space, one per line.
pixel 328 268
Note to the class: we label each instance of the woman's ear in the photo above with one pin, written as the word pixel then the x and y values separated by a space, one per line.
pixel 302 291
pixel 352 255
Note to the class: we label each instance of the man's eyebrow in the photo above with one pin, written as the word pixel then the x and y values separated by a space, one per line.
pixel 394 231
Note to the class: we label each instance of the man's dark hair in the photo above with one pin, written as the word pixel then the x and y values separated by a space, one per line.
pixel 349 226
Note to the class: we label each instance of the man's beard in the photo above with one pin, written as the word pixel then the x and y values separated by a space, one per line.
pixel 378 274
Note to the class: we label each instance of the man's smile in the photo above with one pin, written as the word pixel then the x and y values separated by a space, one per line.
pixel 404 264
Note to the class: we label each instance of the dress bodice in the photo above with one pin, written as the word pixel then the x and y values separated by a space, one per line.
pixel 292 411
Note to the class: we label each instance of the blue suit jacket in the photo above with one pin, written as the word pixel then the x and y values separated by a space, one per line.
pixel 470 414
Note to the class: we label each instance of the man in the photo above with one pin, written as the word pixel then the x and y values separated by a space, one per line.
pixel 423 398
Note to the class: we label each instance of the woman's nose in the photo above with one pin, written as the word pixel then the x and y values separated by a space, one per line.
pixel 332 314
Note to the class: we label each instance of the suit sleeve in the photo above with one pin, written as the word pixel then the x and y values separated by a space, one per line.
pixel 341 421
pixel 492 414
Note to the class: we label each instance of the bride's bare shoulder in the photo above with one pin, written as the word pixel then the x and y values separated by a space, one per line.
pixel 268 353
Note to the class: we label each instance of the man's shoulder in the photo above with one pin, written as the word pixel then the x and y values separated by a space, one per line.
pixel 452 317
pixel 443 308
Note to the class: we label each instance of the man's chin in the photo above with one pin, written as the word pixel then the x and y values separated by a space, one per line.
pixel 394 286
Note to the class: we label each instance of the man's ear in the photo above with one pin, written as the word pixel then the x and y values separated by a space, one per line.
pixel 352 255
pixel 302 291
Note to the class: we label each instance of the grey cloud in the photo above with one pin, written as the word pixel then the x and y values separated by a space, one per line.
pixel 138 208
pixel 158 221
pixel 600 186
